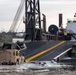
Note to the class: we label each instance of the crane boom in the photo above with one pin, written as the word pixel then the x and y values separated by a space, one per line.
pixel 17 16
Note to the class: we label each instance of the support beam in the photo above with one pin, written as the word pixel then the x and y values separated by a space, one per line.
pixel 32 20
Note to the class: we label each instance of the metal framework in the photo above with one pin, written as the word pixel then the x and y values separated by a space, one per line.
pixel 32 20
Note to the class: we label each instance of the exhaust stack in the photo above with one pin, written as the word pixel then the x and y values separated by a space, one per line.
pixel 44 23
pixel 60 20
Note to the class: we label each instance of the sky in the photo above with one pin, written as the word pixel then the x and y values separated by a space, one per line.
pixel 51 8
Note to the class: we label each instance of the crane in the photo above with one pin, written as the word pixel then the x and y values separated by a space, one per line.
pixel 32 19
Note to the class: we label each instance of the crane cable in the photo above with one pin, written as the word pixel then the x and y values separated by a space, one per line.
pixel 17 16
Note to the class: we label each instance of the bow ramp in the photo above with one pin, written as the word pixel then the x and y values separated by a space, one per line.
pixel 45 50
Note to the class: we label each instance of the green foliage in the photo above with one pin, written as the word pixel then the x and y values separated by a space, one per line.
pixel 5 38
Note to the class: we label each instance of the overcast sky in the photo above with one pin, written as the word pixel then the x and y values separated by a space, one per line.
pixel 51 8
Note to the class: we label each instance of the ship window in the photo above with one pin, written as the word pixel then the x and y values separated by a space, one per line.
pixel 14 53
pixel 17 53
pixel 6 46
